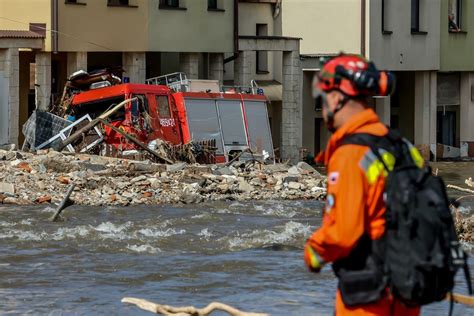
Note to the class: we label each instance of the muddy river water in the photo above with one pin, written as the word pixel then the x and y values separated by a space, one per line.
pixel 246 254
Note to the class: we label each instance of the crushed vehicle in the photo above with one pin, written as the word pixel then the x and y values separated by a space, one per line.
pixel 178 111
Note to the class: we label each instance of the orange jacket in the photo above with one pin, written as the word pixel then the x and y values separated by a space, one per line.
pixel 357 205
pixel 354 204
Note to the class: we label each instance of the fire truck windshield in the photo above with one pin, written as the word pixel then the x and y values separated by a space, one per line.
pixel 97 107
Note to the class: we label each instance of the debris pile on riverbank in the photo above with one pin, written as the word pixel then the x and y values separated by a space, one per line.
pixel 27 178
pixel 465 227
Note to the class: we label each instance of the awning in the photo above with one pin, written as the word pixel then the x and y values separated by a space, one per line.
pixel 272 89
pixel 19 34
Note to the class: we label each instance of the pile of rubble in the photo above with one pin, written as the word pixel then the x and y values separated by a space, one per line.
pixel 465 227
pixel 44 177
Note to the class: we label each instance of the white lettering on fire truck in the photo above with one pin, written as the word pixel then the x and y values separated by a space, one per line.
pixel 167 122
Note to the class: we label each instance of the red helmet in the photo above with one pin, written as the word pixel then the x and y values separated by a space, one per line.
pixel 354 76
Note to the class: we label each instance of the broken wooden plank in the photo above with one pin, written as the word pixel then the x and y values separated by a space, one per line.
pixel 455 187
pixel 149 168
pixel 187 310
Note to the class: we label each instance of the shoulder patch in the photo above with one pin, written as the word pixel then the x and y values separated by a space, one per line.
pixel 333 177
pixel 330 202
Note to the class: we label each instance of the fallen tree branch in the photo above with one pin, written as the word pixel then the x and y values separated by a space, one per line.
pixel 463 197
pixel 186 310
pixel 469 182
pixel 450 186
pixel 65 203
pixel 462 299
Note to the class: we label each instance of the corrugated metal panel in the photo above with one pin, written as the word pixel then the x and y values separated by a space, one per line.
pixel 19 34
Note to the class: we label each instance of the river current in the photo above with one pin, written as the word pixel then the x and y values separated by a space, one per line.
pixel 246 254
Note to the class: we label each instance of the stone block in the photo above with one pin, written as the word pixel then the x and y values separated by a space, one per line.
pixel 176 167
pixel 7 187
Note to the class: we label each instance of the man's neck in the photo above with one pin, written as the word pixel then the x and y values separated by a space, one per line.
pixel 351 109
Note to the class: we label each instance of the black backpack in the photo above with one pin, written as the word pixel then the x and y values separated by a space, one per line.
pixel 420 250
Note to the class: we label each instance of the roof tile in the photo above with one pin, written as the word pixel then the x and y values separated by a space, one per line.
pixel 19 34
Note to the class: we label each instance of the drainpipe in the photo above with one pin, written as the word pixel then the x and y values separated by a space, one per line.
pixel 236 34
pixel 362 27
pixel 54 26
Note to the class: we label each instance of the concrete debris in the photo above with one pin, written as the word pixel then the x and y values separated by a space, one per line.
pixel 44 177
pixel 8 147
pixel 16 201
pixel 294 186
pixel 91 166
pixel 176 167
pixel 290 178
pixel 293 171
pixel 306 167
pixel 245 187
pixel 7 155
pixel 464 227
pixel 223 171
pixel 7 188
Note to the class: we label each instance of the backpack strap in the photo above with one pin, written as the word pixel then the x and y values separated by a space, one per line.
pixel 451 303
pixel 373 142
pixel 362 139
pixel 391 142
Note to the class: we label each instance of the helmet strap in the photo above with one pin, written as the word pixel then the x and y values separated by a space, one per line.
pixel 331 114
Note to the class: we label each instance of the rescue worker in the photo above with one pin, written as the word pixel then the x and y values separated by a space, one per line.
pixel 354 210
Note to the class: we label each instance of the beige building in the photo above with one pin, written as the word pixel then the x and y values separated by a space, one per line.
pixel 145 37
pixel 314 21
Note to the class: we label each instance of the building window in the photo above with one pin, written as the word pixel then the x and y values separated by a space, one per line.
pixel 384 18
pixel 262 56
pixel 318 105
pixel 212 4
pixel 169 4
pixel 415 15
pixel 39 28
pixel 74 2
pixel 454 15
pixel 118 2
pixel 215 5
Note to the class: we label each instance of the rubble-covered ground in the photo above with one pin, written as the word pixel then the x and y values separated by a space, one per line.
pixel 465 227
pixel 44 177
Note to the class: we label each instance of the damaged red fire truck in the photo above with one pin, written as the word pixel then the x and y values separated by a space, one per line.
pixel 179 111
